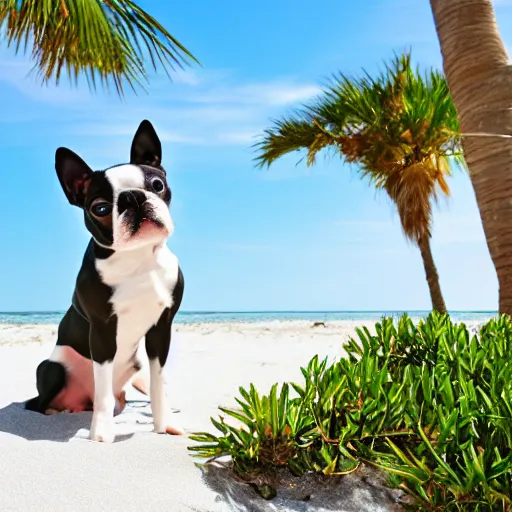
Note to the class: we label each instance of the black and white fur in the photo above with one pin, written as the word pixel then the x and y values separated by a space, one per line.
pixel 130 284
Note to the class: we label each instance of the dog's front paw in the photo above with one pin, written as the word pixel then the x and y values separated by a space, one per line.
pixel 102 430
pixel 102 435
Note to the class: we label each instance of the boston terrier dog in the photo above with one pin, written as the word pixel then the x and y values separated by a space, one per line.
pixel 129 287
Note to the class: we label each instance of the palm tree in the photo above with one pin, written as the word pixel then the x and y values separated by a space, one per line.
pixel 109 40
pixel 400 128
pixel 479 75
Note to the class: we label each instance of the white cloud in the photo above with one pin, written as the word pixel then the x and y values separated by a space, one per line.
pixel 270 93
pixel 186 77
pixel 245 138
pixel 180 119
pixel 21 75
pixel 282 94
pixel 128 129
pixel 199 108
pixel 166 136
pixel 201 138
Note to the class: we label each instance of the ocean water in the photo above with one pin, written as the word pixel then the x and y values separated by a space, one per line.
pixel 189 317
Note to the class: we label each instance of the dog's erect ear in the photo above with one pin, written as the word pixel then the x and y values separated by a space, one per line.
pixel 74 175
pixel 146 147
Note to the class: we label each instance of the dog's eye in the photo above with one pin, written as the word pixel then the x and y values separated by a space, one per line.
pixel 101 209
pixel 157 185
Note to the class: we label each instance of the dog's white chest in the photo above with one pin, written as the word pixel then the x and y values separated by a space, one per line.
pixel 142 285
pixel 141 300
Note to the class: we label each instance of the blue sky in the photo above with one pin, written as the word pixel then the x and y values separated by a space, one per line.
pixel 290 238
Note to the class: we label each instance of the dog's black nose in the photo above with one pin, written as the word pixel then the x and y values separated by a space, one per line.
pixel 133 199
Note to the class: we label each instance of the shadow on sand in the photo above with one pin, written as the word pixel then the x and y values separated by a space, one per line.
pixel 33 426
pixel 362 491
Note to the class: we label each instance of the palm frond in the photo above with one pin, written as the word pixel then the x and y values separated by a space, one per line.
pixel 400 127
pixel 109 40
pixel 290 135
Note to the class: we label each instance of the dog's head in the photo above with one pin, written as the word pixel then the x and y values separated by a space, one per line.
pixel 125 206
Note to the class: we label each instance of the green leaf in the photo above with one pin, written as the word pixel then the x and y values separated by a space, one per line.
pixel 274 410
pixel 237 415
pixel 283 407
pixel 109 42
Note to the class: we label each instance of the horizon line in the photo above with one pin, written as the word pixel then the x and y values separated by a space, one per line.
pixel 213 312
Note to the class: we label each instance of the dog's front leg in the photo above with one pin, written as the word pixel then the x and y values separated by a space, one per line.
pixel 103 349
pixel 158 341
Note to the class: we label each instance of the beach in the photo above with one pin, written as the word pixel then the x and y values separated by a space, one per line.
pixel 207 362
pixel 47 463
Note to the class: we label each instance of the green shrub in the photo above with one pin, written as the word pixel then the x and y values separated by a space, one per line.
pixel 431 404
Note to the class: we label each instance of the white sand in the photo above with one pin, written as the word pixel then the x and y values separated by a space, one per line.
pixel 47 463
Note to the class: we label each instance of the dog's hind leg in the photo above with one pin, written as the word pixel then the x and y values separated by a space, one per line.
pixel 50 381
pixel 141 383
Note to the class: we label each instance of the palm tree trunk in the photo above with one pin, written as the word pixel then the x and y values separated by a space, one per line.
pixel 480 79
pixel 432 275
